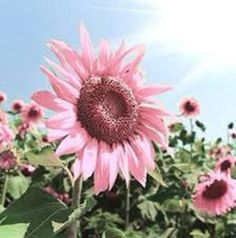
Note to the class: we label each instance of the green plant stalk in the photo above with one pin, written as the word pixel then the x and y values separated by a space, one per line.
pixel 74 230
pixel 191 131
pixel 4 190
pixel 127 212
pixel 66 169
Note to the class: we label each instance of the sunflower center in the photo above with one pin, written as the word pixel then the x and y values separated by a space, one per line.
pixel 33 112
pixel 216 190
pixel 225 165
pixel 17 106
pixel 107 109
pixel 189 107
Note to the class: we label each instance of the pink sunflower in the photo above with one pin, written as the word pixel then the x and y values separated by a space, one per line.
pixel 3 117
pixel 225 164
pixel 189 107
pixel 17 105
pixel 31 113
pixel 7 160
pixel 104 114
pixel 6 135
pixel 3 97
pixel 216 194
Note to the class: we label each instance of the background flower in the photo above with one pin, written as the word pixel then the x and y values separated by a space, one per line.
pixel 189 107
pixel 216 195
pixel 3 97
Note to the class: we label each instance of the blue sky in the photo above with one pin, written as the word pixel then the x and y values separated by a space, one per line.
pixel 197 56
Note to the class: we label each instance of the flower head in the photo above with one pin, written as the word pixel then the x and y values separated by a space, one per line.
pixel 3 118
pixel 22 129
pixel 7 160
pixel 189 107
pixel 225 164
pixel 17 106
pixel 216 195
pixel 3 97
pixel 31 113
pixel 5 135
pixel 27 169
pixel 61 196
pixel 220 152
pixel 233 135
pixel 104 114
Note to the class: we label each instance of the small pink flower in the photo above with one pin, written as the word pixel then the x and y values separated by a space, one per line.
pixel 27 169
pixel 172 121
pixel 22 129
pixel 61 196
pixel 7 160
pixel 45 139
pixel 31 113
pixel 225 164
pixel 233 135
pixel 3 97
pixel 6 135
pixel 189 107
pixel 215 195
pixel 3 118
pixel 17 106
pixel 104 113
pixel 220 152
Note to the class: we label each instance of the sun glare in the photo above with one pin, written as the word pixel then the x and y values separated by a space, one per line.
pixel 203 27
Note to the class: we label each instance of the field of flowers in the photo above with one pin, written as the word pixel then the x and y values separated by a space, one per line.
pixel 110 161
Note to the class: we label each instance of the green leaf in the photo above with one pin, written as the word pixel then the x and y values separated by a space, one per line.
pixel 13 231
pixel 177 127
pixel 39 209
pixel 155 174
pixel 113 233
pixel 149 209
pixel 173 205
pixel 231 125
pixel 199 234
pixel 17 185
pixel 46 157
pixel 184 167
pixel 167 233
pixel 87 206
pixel 200 125
pixel 2 208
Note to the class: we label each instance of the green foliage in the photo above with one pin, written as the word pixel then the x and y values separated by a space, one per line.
pixel 113 233
pixel 13 230
pixel 39 210
pixel 162 209
pixel 44 157
pixel 17 186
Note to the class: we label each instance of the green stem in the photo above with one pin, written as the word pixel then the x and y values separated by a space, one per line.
pixel 191 131
pixel 127 212
pixel 69 175
pixel 4 191
pixel 74 229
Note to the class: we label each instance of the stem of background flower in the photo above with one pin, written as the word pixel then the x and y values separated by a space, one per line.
pixel 4 190
pixel 74 229
pixel 127 212
pixel 191 131
pixel 228 136
pixel 69 175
